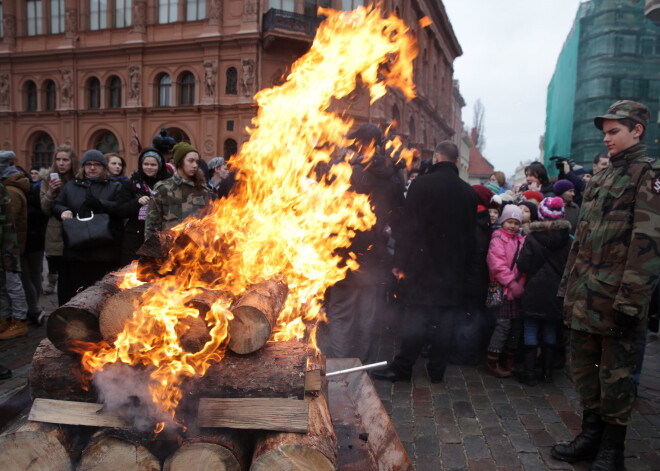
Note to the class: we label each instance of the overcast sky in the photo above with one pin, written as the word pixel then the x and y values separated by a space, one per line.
pixel 510 48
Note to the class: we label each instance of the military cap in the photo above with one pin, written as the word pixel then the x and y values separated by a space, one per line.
pixel 625 109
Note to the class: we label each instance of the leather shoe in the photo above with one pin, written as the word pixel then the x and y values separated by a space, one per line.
pixel 5 373
pixel 389 375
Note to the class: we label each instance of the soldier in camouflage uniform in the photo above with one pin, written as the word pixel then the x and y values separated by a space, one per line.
pixel 184 194
pixel 9 252
pixel 612 270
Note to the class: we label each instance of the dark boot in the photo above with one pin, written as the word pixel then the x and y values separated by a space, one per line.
pixel 610 455
pixel 585 446
pixel 548 354
pixel 528 374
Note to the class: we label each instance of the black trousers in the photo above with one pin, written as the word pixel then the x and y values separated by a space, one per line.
pixel 421 324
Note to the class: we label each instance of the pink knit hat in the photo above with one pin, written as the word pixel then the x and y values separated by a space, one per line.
pixel 551 209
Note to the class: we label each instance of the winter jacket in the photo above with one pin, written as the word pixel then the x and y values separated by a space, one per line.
pixel 8 242
pixel 542 260
pixel 436 239
pixel 477 277
pixel 501 253
pixel 18 186
pixel 54 243
pixel 36 222
pixel 73 198
pixel 572 215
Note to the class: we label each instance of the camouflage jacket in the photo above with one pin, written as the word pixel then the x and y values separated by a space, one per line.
pixel 8 240
pixel 614 262
pixel 175 200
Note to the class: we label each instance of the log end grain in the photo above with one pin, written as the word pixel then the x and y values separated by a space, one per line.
pixel 70 325
pixel 292 458
pixel 249 330
pixel 34 446
pixel 105 453
pixel 202 457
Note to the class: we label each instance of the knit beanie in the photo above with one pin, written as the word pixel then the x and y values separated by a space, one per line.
pixel 511 211
pixel 7 155
pixel 562 186
pixel 494 187
pixel 533 210
pixel 179 152
pixel 150 152
pixel 533 195
pixel 93 155
pixel 551 209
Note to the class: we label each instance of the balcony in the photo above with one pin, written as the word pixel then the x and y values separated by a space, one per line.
pixel 286 24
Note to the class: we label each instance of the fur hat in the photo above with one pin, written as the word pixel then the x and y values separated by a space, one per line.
pixel 511 211
pixel 533 195
pixel 486 199
pixel 562 186
pixel 93 155
pixel 179 152
pixel 7 155
pixel 551 209
pixel 163 142
pixel 533 210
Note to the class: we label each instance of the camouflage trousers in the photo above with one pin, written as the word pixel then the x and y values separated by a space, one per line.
pixel 602 369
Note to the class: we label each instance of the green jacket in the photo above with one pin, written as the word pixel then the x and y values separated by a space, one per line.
pixel 8 240
pixel 175 200
pixel 614 262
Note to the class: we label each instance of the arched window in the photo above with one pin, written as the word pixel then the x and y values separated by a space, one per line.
pixel 30 96
pixel 178 135
pixel 164 90
pixel 42 150
pixel 105 141
pixel 187 89
pixel 231 87
pixel 50 93
pixel 93 93
pixel 114 92
pixel 231 148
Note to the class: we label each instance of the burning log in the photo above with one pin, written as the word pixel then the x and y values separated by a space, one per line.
pixel 316 449
pixel 78 319
pixel 57 375
pixel 255 314
pixel 36 445
pixel 105 451
pixel 207 449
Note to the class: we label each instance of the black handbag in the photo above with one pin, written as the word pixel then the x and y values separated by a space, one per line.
pixel 87 233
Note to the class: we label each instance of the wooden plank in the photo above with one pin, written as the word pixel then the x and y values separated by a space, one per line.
pixel 74 413
pixel 284 415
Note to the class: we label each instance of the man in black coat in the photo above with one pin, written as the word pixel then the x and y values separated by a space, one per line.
pixel 431 258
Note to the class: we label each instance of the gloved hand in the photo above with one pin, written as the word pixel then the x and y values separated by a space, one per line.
pixel 624 321
pixel 516 290
pixel 93 203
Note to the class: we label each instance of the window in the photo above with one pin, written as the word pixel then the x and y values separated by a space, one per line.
pixel 231 87
pixel 195 10
pixel 50 92
pixel 644 87
pixel 164 90
pixel 42 150
pixel 106 142
pixel 312 6
pixel 34 17
pixel 353 4
pixel 187 89
pixel 167 11
pixel 231 148
pixel 646 45
pixel 286 5
pixel 56 16
pixel 123 13
pixel 178 135
pixel 230 125
pixel 31 96
pixel 114 92
pixel 93 94
pixel 98 14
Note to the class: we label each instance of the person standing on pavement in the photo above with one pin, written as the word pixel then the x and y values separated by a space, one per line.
pixel 9 256
pixel 612 270
pixel 565 189
pixel 431 260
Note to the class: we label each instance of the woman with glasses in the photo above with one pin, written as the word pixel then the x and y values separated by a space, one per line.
pixel 90 192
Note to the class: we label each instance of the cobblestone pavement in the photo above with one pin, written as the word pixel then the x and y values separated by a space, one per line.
pixel 472 421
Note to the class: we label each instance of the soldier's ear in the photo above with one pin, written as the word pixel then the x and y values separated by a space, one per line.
pixel 638 130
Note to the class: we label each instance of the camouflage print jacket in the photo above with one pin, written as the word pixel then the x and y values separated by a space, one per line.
pixel 175 200
pixel 614 262
pixel 8 239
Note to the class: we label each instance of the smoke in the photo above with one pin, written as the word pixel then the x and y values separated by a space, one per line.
pixel 124 389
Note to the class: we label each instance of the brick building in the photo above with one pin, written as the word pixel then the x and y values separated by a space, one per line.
pixel 88 72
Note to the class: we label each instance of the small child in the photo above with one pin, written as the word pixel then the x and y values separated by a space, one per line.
pixel 530 215
pixel 542 259
pixel 505 245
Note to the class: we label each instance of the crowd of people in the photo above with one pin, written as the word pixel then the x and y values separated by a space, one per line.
pixel 41 212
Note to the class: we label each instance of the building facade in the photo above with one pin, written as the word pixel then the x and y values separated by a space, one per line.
pixel 96 74
pixel 611 53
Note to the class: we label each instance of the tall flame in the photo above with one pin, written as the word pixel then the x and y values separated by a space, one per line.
pixel 280 222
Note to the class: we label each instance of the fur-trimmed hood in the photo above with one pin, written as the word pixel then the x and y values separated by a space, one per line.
pixel 551 234
pixel 545 226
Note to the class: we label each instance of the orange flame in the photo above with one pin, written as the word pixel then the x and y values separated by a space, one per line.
pixel 280 222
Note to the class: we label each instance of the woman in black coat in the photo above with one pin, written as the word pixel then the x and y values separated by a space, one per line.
pixel 91 191
pixel 133 200
pixel 543 258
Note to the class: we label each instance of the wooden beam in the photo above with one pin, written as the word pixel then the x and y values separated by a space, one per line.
pixel 74 413
pixel 285 415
